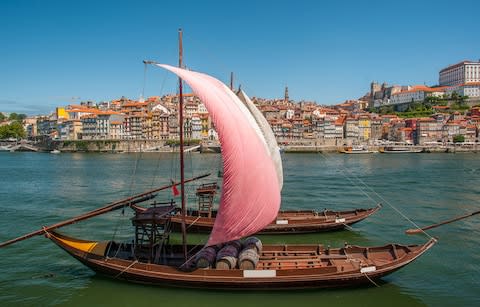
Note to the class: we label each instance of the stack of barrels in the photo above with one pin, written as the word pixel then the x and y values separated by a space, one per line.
pixel 235 254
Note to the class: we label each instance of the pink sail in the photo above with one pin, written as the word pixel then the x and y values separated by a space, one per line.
pixel 250 197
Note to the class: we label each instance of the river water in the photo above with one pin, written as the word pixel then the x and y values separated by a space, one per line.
pixel 40 189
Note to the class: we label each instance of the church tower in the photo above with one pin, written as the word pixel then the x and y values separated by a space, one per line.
pixel 286 98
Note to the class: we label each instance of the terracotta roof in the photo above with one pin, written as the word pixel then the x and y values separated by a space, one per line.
pixel 459 64
pixel 135 104
pixel 421 88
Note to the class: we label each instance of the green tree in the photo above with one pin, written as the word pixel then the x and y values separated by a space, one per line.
pixel 15 116
pixel 462 100
pixel 459 138
pixel 454 96
pixel 14 130
pixel 2 117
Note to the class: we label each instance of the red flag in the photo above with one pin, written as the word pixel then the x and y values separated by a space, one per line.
pixel 175 190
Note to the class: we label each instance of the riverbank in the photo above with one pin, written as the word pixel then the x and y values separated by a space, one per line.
pixel 132 146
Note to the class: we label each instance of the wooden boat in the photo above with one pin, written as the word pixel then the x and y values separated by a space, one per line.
pixel 279 266
pixel 287 221
pixel 250 201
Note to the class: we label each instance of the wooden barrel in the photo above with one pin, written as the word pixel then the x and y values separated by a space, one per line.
pixel 253 242
pixel 206 258
pixel 227 257
pixel 248 259
pixel 237 244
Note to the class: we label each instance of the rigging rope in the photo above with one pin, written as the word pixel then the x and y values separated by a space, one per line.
pixel 375 193
pixel 156 172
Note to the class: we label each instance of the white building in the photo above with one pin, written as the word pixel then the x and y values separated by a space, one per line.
pixel 460 73
pixel 416 93
pixel 469 89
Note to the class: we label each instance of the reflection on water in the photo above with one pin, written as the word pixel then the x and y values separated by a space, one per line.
pixel 41 189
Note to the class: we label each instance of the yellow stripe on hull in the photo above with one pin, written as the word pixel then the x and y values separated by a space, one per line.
pixel 92 247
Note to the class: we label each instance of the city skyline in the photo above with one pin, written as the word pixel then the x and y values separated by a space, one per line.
pixel 59 53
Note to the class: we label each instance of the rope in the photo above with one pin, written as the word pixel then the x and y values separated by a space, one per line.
pixel 371 280
pixel 124 270
pixel 377 195
pixel 122 213
pixel 194 222
pixel 156 172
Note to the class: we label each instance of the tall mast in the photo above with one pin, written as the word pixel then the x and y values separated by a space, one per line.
pixel 231 81
pixel 182 170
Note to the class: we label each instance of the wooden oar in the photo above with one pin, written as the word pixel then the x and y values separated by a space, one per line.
pixel 115 205
pixel 419 230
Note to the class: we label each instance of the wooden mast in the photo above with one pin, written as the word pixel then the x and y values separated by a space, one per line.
pixel 182 170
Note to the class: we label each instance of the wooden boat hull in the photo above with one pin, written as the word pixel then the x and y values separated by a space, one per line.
pixel 288 222
pixel 280 266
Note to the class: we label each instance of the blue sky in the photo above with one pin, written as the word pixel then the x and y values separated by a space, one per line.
pixel 53 52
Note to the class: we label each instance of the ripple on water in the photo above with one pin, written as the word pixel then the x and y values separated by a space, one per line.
pixel 43 189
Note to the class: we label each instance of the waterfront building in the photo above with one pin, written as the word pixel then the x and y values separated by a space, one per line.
pixel 134 122
pixel 329 130
pixel 318 128
pixel 196 125
pixel 276 125
pixel 406 135
pixel 63 130
pixel 117 130
pixel 30 125
pixel 147 126
pixel 97 125
pixel 46 126
pixel 160 127
pixel 351 130
pixel 339 130
pixel 460 73
pixel 470 133
pixel 173 129
pixel 287 132
pixel 393 130
pixel 61 113
pixel 429 130
pixel 89 126
pixel 297 128
pixel 206 124
pixel 364 128
pixel 376 128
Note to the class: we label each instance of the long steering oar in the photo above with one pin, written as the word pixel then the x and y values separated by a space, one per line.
pixel 419 230
pixel 110 207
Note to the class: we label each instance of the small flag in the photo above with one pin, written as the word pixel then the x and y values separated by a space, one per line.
pixel 174 189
